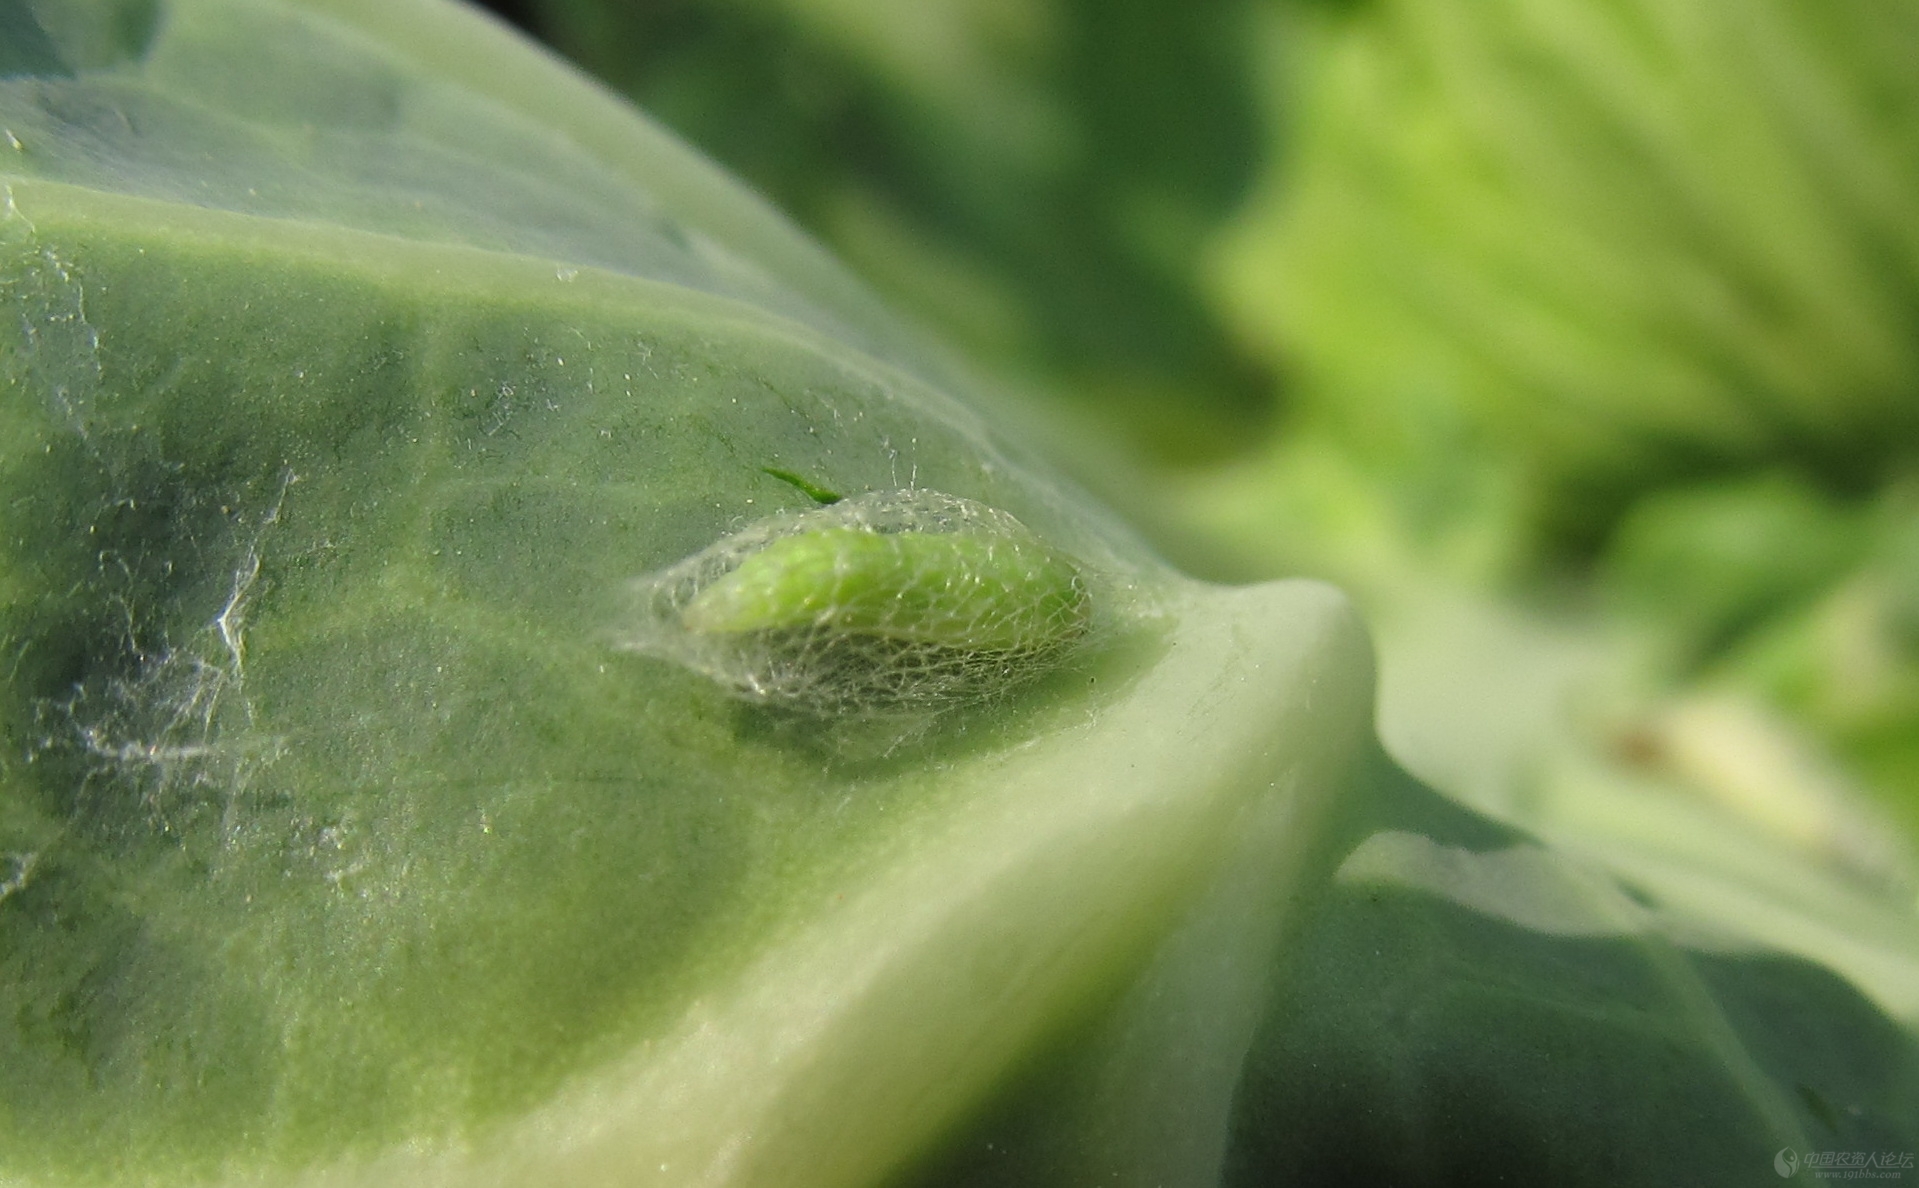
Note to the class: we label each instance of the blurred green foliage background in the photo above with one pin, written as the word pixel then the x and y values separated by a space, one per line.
pixel 1035 180
pixel 1579 338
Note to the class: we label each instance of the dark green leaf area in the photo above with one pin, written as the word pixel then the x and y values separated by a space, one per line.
pixel 51 39
pixel 1415 1042
pixel 329 815
pixel 25 48
pixel 1706 564
pixel 1038 180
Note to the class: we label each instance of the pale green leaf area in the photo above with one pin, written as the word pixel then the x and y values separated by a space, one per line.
pixel 1542 269
pixel 357 364
pixel 1622 246
pixel 1600 321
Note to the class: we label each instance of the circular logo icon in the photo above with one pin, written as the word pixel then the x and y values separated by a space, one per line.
pixel 1786 1162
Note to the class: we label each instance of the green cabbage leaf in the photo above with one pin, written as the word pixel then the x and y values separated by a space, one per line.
pixel 360 365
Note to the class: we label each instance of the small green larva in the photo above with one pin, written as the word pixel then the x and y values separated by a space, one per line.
pixel 823 496
pixel 882 603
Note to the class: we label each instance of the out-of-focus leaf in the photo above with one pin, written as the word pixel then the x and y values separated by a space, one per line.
pixel 1614 245
pixel 1037 180
pixel 1601 322
pixel 1705 566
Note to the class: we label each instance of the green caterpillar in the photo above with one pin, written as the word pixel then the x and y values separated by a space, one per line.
pixel 879 603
